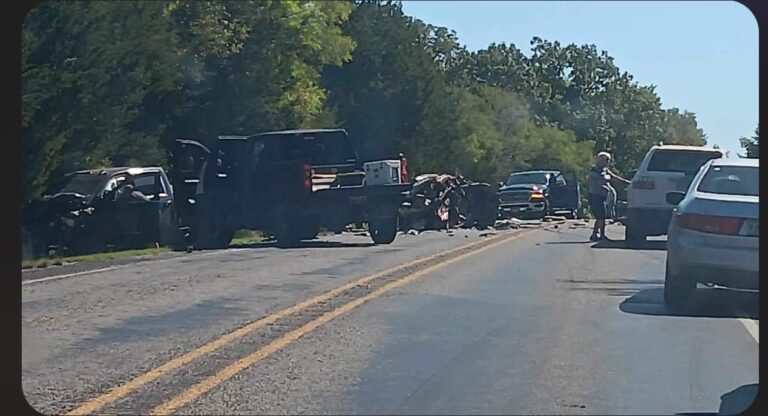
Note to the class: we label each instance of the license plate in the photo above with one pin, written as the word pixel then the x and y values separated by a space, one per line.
pixel 751 228
pixel 358 199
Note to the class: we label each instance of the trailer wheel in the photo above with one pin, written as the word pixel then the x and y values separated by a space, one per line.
pixel 383 230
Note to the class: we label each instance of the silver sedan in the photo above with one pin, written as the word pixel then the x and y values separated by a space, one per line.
pixel 713 236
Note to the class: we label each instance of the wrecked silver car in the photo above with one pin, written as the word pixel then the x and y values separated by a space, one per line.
pixel 96 210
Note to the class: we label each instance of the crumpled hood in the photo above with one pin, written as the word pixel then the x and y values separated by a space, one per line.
pixel 52 206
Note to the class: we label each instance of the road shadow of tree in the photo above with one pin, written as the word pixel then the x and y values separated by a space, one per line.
pixel 706 303
pixel 734 402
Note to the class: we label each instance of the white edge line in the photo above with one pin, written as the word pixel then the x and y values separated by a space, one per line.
pixel 106 269
pixel 752 328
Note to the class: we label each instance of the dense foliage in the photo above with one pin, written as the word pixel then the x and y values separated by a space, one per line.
pixel 751 145
pixel 107 83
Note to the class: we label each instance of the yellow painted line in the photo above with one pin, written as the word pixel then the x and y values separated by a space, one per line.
pixel 92 405
pixel 231 370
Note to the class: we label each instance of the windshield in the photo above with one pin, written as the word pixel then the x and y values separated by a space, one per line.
pixel 528 178
pixel 731 180
pixel 327 148
pixel 82 183
pixel 686 161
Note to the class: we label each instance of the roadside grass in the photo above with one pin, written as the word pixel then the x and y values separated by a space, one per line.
pixel 242 237
pixel 43 262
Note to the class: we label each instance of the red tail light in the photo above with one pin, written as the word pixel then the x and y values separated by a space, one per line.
pixel 308 176
pixel 710 223
pixel 403 170
pixel 643 183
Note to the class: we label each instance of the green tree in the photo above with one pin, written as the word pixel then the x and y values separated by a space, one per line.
pixel 86 70
pixel 751 145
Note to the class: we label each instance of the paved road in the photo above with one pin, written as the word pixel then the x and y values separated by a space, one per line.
pixel 526 321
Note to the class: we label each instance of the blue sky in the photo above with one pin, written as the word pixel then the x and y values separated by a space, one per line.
pixel 701 55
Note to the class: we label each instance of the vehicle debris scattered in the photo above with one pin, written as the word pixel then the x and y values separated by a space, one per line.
pixel 447 202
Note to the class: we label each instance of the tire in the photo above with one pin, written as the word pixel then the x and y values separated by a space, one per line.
pixel 383 230
pixel 308 231
pixel 286 236
pixel 678 288
pixel 572 215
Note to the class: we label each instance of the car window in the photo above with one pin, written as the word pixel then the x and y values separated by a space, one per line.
pixel 331 148
pixel 164 185
pixel 731 180
pixel 526 178
pixel 685 161
pixel 113 183
pixel 146 184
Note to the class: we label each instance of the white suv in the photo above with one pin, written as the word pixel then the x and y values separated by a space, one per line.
pixel 665 168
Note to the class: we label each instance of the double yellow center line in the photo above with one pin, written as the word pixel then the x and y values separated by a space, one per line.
pixel 92 405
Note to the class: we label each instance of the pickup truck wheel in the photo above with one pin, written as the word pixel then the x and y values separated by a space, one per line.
pixel 383 230
pixel 286 235
pixel 678 288
pixel 309 231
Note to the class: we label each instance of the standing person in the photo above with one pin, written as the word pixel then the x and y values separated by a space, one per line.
pixel 403 168
pixel 599 186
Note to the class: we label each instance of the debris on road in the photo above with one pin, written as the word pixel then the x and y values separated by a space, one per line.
pixel 512 223
pixel 552 218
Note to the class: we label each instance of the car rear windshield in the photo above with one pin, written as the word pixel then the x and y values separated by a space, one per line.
pixel 731 180
pixel 686 161
pixel 330 148
pixel 527 178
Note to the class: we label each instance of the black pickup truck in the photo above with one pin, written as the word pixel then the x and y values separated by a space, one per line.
pixel 287 184
pixel 536 194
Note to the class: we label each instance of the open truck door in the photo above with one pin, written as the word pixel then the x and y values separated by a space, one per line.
pixel 565 195
pixel 190 161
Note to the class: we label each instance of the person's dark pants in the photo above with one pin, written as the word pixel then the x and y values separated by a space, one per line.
pixel 597 205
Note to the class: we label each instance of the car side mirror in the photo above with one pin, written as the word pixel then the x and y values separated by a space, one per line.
pixel 674 198
pixel 501 184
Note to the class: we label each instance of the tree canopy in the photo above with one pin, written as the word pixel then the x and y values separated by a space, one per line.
pixel 751 145
pixel 111 83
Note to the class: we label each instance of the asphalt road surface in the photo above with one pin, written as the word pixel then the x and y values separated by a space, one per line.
pixel 529 321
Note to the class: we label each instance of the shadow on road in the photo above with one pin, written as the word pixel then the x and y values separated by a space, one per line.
pixel 733 403
pixel 660 245
pixel 568 242
pixel 707 303
pixel 612 287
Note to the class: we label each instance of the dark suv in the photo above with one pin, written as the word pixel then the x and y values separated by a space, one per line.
pixel 536 194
